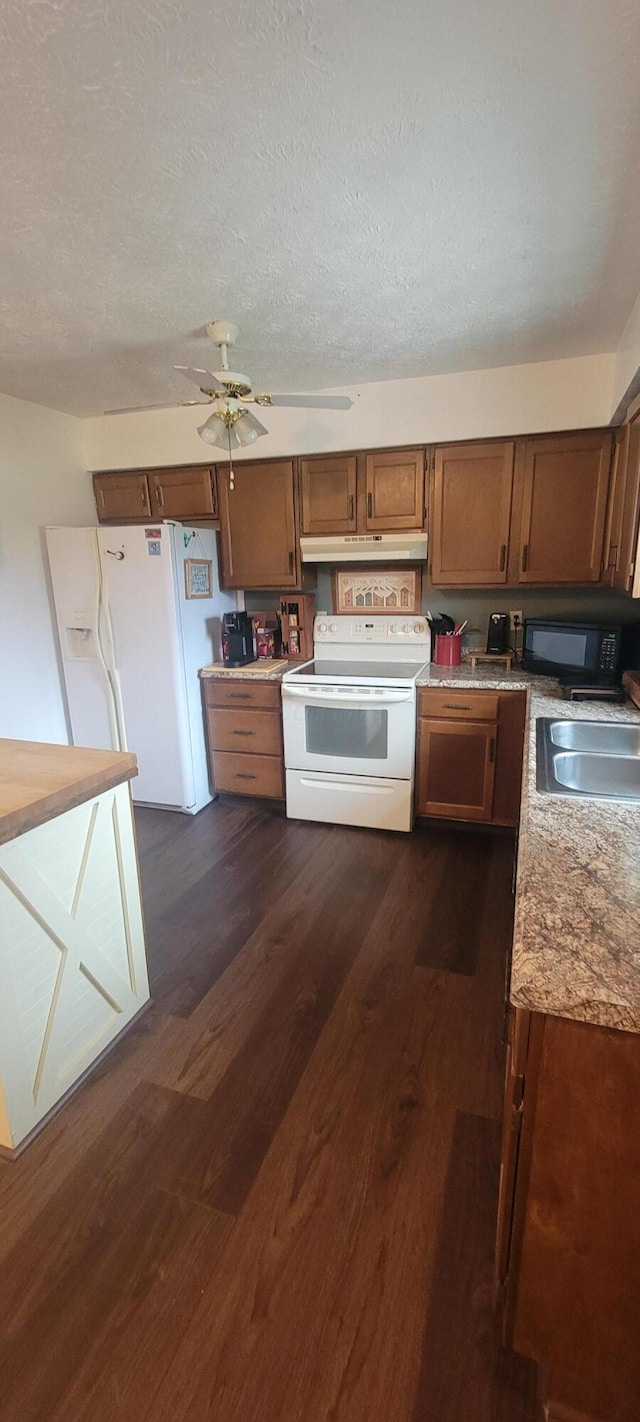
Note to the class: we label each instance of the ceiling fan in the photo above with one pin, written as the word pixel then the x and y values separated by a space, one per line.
pixel 231 425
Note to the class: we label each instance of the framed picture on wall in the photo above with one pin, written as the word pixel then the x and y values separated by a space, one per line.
pixel 198 576
pixel 377 589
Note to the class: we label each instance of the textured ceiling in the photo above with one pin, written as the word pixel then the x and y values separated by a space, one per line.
pixel 371 191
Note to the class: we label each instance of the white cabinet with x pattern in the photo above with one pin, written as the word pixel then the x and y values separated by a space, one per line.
pixel 72 959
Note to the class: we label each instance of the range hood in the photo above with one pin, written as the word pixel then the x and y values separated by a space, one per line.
pixel 365 548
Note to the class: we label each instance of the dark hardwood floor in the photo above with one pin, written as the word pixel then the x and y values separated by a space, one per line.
pixel 275 1201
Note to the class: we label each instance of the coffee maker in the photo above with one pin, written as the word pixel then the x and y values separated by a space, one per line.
pixel 238 646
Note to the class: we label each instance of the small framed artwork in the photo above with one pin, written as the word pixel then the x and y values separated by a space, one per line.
pixel 198 576
pixel 377 589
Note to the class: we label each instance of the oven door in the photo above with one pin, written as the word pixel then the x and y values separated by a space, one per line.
pixel 355 730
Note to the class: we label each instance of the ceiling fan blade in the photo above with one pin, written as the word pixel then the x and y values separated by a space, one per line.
pixel 308 402
pixel 204 378
pixel 138 409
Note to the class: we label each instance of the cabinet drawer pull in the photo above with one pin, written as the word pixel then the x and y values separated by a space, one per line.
pixel 456 706
pixel 143 495
pixel 369 505
pixel 613 556
pixel 244 775
pixel 492 750
pixel 239 695
pixel 291 558
pixel 350 508
pixel 243 733
pixel 525 557
pixel 503 557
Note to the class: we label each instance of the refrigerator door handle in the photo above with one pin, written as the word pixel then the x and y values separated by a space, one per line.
pixel 107 659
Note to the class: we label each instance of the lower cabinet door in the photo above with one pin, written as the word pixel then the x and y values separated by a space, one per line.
pixel 456 768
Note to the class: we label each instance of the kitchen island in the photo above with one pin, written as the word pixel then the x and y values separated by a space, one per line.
pixel 73 969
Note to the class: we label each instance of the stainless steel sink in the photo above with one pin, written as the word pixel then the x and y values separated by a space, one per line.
pixel 599 737
pixel 598 759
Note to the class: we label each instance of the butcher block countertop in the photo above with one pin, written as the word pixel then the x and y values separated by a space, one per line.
pixel 39 781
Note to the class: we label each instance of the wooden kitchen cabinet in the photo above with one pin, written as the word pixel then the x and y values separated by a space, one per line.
pixel 122 498
pixel 563 487
pixel 328 491
pixel 470 516
pixel 456 768
pixel 568 1243
pixel 621 541
pixel 469 754
pixel 244 733
pixel 258 526
pixel 183 493
pixel 394 490
pixel 139 495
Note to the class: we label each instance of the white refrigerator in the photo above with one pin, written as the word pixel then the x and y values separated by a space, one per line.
pixel 132 643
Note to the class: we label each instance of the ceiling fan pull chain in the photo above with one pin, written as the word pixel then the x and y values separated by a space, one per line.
pixel 232 482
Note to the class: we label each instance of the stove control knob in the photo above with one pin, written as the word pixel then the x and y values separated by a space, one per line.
pixel 322 626
pixel 393 627
pixel 418 628
pixel 407 627
pixel 333 627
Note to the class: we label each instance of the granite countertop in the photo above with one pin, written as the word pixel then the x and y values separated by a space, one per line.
pixel 274 673
pixel 39 781
pixel 576 942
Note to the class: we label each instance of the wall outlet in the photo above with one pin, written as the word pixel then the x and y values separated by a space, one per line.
pixel 513 617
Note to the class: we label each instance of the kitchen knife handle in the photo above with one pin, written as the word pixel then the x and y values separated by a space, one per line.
pixel 503 557
pixel 525 557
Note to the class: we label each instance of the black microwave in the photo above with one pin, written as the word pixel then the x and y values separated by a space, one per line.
pixel 593 650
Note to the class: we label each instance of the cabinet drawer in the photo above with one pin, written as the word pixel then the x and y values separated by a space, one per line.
pixel 256 732
pixel 261 775
pixel 265 695
pixel 458 705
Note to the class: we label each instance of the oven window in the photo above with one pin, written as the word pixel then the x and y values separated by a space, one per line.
pixel 361 735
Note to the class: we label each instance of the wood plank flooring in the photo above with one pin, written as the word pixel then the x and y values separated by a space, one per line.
pixel 275 1201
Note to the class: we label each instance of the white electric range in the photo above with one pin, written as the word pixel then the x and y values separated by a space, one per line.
pixel 350 721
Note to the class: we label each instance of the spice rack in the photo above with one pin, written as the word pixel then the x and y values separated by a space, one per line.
pixel 297 612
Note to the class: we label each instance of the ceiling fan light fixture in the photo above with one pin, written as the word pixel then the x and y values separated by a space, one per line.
pixel 216 431
pixel 247 428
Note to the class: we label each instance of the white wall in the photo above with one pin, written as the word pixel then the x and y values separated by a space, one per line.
pixel 552 395
pixel 627 358
pixel 42 480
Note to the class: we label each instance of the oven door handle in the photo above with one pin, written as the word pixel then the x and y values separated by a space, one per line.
pixel 342 698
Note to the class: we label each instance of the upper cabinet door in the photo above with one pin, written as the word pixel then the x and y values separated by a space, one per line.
pixel 182 493
pixel 394 490
pixel 471 509
pixel 257 526
pixel 328 488
pixel 565 483
pixel 121 497
pixel 628 568
pixel 615 569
